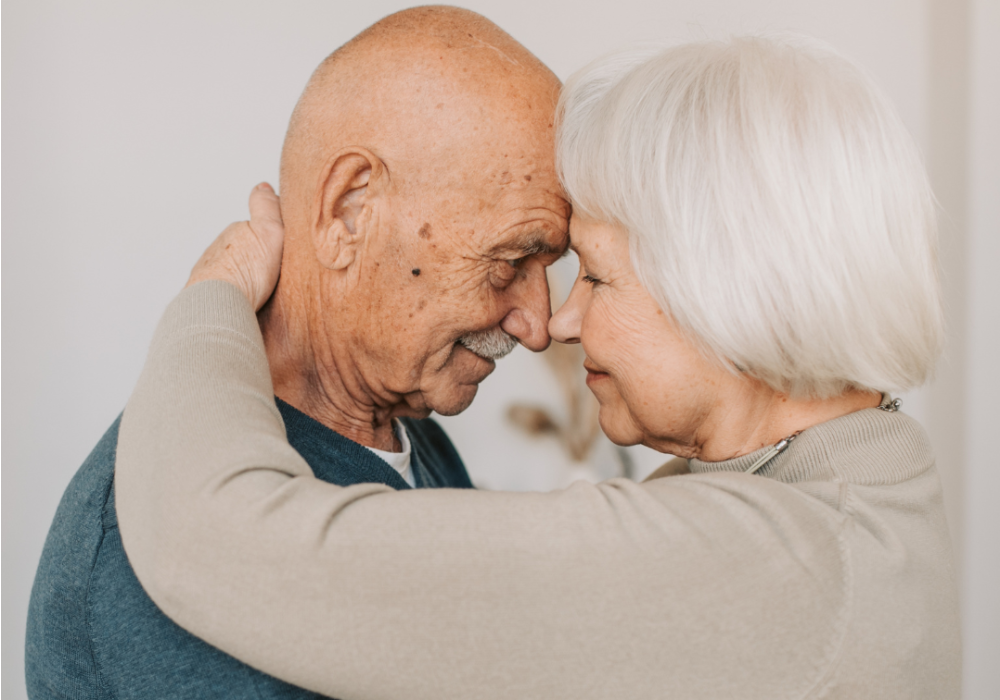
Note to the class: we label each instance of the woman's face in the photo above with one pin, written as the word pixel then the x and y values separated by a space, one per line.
pixel 653 385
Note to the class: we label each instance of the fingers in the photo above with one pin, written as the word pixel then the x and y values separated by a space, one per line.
pixel 248 254
pixel 263 264
pixel 265 207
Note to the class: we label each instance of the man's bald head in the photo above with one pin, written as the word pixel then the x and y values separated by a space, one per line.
pixel 419 87
pixel 421 206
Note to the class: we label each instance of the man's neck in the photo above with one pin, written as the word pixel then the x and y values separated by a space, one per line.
pixel 320 378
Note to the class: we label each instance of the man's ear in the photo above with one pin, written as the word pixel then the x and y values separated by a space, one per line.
pixel 345 206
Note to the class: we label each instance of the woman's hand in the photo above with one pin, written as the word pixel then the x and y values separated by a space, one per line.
pixel 248 253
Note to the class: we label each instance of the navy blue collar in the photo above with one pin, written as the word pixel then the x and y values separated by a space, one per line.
pixel 338 460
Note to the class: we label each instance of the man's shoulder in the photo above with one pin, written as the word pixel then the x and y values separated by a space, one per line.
pixel 93 631
pixel 58 641
pixel 85 512
pixel 435 451
pixel 91 487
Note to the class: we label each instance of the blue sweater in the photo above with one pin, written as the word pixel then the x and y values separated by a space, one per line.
pixel 94 633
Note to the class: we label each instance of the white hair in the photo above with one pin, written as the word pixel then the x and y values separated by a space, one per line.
pixel 776 207
pixel 492 344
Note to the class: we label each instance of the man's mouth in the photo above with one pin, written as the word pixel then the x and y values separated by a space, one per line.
pixel 491 344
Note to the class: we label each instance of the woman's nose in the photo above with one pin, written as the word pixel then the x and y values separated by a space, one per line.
pixel 564 326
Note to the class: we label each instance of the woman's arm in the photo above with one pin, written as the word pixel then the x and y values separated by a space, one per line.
pixel 616 589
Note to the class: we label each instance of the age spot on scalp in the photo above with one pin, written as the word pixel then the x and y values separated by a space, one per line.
pixel 527 178
pixel 425 231
pixel 505 178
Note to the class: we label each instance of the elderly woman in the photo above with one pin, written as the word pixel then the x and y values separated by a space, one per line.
pixel 757 267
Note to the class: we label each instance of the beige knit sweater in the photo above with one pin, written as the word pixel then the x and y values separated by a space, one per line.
pixel 828 575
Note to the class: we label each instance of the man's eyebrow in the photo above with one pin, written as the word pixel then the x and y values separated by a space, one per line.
pixel 536 244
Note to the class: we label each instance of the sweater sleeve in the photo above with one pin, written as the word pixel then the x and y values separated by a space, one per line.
pixel 661 589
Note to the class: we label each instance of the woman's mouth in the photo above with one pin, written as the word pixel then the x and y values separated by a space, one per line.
pixel 593 373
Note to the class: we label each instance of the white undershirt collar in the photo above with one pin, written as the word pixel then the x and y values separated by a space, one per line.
pixel 400 461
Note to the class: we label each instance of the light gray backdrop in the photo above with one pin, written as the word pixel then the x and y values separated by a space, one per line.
pixel 135 131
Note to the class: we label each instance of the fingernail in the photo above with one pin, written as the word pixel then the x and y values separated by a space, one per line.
pixel 265 186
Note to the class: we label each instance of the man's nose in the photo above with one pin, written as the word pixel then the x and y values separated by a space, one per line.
pixel 528 319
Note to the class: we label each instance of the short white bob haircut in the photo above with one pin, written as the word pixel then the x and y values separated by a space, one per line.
pixel 776 207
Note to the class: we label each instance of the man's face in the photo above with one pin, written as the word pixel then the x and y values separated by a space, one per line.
pixel 455 270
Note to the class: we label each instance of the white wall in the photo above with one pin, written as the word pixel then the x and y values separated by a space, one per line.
pixel 981 589
pixel 135 130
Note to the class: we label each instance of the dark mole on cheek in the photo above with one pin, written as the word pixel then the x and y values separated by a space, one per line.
pixel 527 178
pixel 425 231
pixel 416 272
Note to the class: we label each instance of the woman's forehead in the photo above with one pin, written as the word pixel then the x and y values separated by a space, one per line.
pixel 587 234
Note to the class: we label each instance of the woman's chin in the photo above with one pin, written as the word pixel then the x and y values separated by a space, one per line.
pixel 618 428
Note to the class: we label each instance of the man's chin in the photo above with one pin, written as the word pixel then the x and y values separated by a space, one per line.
pixel 451 400
pixel 458 381
pixel 454 406
pixel 466 367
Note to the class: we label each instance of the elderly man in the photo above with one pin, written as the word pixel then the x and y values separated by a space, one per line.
pixel 421 207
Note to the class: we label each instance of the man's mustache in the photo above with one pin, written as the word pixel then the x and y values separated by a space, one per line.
pixel 491 344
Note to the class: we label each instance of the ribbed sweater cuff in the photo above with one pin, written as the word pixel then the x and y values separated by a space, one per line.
pixel 210 303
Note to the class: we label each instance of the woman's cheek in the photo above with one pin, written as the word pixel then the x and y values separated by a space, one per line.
pixel 611 334
pixel 619 394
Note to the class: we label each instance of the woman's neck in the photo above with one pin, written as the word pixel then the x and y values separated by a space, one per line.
pixel 760 417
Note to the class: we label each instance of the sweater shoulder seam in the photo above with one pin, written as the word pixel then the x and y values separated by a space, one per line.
pixel 825 680
pixel 105 690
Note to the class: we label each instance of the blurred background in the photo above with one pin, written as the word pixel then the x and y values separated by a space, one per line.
pixel 136 130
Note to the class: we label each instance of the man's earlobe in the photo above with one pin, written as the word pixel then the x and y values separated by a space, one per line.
pixel 336 247
pixel 344 214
